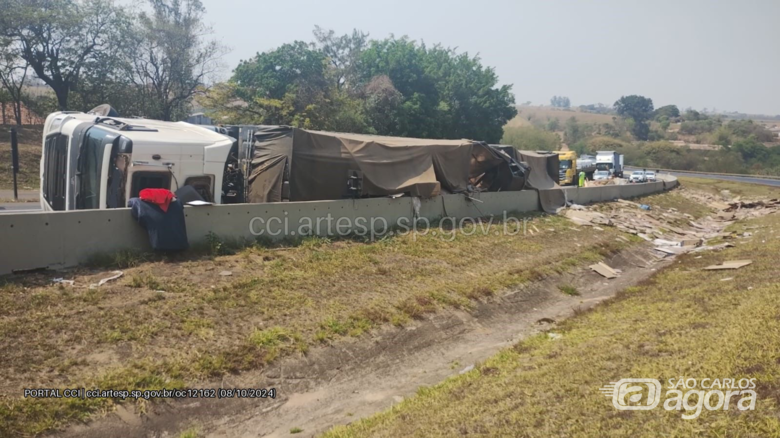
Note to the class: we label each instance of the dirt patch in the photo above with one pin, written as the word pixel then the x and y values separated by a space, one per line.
pixel 350 379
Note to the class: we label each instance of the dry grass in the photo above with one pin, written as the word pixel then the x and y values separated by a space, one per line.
pixel 680 323
pixel 28 177
pixel 175 322
pixel 545 114
pixel 714 186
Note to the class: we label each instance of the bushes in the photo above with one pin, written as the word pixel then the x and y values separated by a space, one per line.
pixel 699 126
pixel 745 157
pixel 531 139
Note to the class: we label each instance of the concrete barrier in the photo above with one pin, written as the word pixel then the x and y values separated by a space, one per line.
pixel 61 239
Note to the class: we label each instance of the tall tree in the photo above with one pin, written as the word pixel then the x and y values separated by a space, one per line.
pixel 668 111
pixel 13 73
pixel 639 109
pixel 5 99
pixel 173 61
pixel 390 87
pixel 57 37
pixel 284 86
pixel 444 93
pixel 343 53
pixel 560 102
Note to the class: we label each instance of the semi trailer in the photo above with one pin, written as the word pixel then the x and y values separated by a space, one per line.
pixel 96 161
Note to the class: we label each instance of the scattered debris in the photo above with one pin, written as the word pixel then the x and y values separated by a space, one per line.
pixel 662 226
pixel 623 201
pixel 226 273
pixel 587 217
pixel 63 281
pixel 545 321
pixel 663 242
pixel 467 369
pixel 714 247
pixel 690 242
pixel 116 275
pixel 727 279
pixel 645 236
pixel 733 264
pixel 554 336
pixel 604 270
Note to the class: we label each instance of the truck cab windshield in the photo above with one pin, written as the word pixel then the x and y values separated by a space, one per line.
pixel 565 164
pixel 90 167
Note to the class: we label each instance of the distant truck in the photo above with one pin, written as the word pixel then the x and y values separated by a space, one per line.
pixel 587 164
pixel 567 173
pixel 610 161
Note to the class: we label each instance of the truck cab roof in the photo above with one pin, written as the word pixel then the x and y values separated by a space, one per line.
pixel 178 134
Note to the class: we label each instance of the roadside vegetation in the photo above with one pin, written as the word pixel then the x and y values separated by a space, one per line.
pixel 28 177
pixel 175 322
pixel 654 138
pixel 679 323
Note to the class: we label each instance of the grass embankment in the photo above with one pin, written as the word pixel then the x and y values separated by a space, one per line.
pixel 176 324
pixel 683 322
pixel 715 187
pixel 28 177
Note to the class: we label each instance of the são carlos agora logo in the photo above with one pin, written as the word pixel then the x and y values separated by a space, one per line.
pixel 688 394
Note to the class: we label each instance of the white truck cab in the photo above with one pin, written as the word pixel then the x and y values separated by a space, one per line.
pixel 94 162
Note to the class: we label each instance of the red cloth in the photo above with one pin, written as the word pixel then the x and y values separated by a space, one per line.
pixel 160 197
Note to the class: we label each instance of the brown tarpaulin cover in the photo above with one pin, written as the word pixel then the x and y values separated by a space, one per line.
pixel 270 162
pixel 318 164
pixel 543 177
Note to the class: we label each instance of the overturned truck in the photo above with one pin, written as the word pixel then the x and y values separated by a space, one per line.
pixel 100 161
pixel 285 163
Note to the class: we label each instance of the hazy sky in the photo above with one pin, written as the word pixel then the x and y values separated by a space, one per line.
pixel 704 53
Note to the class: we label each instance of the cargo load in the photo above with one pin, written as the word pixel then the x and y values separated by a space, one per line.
pixel 302 165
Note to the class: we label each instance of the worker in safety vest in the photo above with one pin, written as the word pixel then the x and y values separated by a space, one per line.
pixel 582 179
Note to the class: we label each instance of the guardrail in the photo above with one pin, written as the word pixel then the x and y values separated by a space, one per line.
pixel 62 239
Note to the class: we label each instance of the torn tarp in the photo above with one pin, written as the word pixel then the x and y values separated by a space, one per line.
pixel 544 178
pixel 315 165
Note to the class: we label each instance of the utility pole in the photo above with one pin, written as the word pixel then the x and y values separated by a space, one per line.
pixel 14 159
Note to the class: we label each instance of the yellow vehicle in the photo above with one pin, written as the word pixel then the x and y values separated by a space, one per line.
pixel 567 173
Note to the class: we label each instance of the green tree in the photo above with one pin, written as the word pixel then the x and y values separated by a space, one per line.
pixel 444 93
pixel 390 87
pixel 751 150
pixel 639 109
pixel 286 86
pixel 57 37
pixel 668 111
